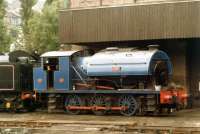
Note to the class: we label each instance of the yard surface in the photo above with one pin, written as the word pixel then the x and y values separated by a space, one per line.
pixel 186 121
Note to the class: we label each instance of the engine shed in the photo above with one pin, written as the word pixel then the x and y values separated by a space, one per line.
pixel 172 25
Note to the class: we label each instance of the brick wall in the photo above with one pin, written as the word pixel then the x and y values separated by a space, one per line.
pixel 92 3
pixel 96 3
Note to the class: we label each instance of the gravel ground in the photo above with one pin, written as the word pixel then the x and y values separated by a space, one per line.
pixel 91 124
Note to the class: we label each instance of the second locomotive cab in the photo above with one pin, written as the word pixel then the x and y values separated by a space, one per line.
pixel 126 80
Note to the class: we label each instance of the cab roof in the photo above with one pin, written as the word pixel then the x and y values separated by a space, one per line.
pixel 58 54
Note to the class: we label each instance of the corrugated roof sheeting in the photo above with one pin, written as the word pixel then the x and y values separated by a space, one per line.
pixel 137 22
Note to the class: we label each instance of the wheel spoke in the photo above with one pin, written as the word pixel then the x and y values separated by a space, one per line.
pixel 129 103
pixel 73 100
pixel 99 101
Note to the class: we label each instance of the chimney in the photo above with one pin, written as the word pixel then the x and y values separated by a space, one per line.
pixel 153 47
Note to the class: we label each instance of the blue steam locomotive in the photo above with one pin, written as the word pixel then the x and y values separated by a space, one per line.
pixel 126 80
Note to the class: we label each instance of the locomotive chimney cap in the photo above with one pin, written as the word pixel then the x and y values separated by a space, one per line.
pixel 112 49
pixel 153 47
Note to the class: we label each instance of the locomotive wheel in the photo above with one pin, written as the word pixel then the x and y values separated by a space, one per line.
pixel 1 104
pixel 100 101
pixel 29 105
pixel 73 100
pixel 130 103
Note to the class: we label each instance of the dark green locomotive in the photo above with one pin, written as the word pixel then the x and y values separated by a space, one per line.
pixel 16 84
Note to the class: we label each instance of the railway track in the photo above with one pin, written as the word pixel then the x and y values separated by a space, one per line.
pixel 93 127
